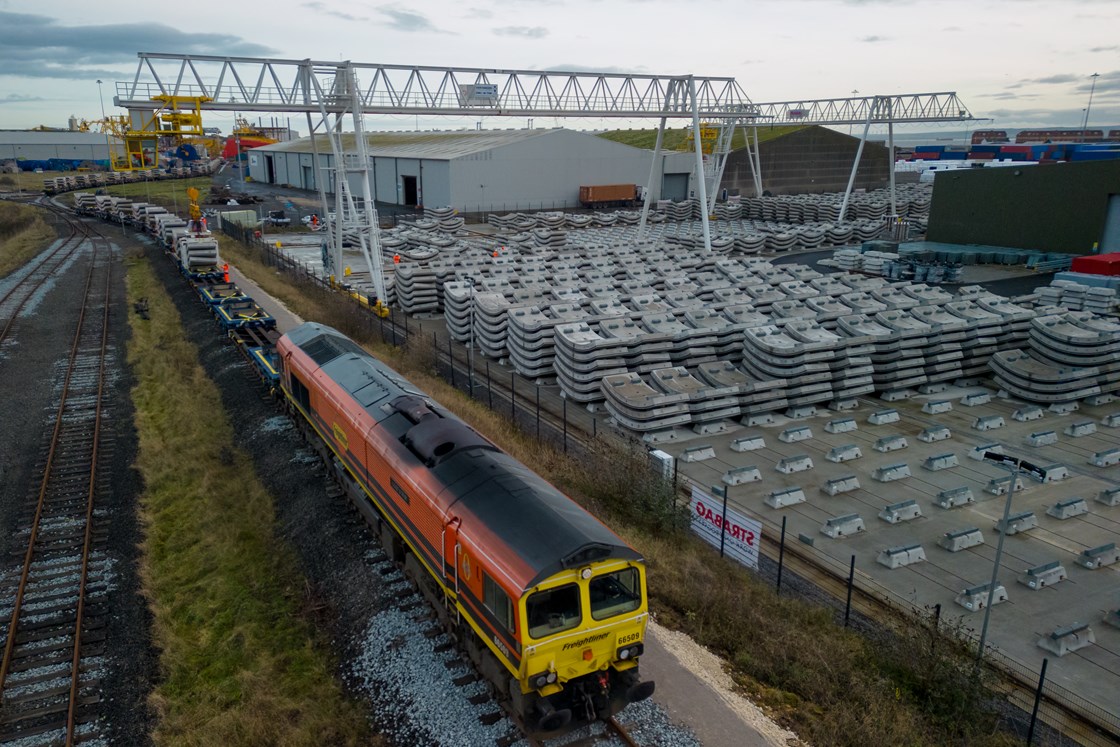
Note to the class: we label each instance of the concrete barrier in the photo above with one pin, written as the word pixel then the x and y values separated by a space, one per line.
pixel 883 417
pixel 938 462
pixel 841 425
pixel 741 475
pixel 1043 575
pixel 762 418
pixel 1106 458
pixel 891 443
pixel 1098 557
pixel 784 497
pixel 1025 414
pixel 897 513
pixel 937 407
pixel 974 399
pixel 1064 408
pixel 891 472
pixel 1042 438
pixel 896 395
pixel 1068 639
pixel 1055 472
pixel 793 435
pixel 842 484
pixel 1081 428
pixel 999 485
pixel 954 497
pixel 748 443
pixel 1096 400
pixel 802 411
pixel 697 453
pixel 961 539
pixel 1023 521
pixel 1112 420
pixel 842 526
pixel 844 453
pixel 898 557
pixel 799 463
pixel 1112 617
pixel 976 598
pixel 1068 508
pixel 988 422
pixel 1109 496
pixel 935 433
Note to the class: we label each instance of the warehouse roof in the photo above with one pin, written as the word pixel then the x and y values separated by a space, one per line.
pixel 430 145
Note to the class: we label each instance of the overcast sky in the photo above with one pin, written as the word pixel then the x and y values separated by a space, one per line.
pixel 1023 63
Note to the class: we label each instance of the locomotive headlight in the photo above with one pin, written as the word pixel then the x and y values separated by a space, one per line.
pixel 543 679
pixel 551 678
pixel 631 652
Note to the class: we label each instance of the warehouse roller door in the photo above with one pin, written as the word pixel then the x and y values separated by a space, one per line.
pixel 1110 236
pixel 674 187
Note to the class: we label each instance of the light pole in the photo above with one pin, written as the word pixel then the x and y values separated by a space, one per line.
pixel 1013 466
pixel 1092 87
pixel 105 125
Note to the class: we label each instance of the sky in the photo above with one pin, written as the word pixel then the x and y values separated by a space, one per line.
pixel 1020 63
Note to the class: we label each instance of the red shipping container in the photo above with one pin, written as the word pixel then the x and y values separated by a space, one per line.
pixel 1097 264
pixel 981 156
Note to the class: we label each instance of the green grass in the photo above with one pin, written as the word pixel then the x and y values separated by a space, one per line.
pixel 677 138
pixel 168 193
pixel 239 665
pixel 23 233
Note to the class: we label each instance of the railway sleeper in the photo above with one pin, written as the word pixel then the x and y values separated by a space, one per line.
pixel 16 702
pixel 83 716
pixel 62 591
pixel 92 618
pixel 93 630
pixel 83 700
pixel 57 654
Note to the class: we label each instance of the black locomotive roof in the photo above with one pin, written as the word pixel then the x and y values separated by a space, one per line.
pixel 542 526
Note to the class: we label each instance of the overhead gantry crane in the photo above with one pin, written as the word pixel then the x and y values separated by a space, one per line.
pixel 333 91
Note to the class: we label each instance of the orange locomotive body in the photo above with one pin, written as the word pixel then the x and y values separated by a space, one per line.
pixel 551 604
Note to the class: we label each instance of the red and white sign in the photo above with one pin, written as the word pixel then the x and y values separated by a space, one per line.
pixel 740 535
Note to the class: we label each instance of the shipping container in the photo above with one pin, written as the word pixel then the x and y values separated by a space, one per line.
pixel 1097 264
pixel 600 195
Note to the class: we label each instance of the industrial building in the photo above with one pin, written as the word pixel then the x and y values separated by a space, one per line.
pixel 48 145
pixel 480 170
pixel 1072 208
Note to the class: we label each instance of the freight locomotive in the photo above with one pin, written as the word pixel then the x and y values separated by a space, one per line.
pixel 550 603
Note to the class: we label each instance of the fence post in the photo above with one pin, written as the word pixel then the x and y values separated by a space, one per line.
pixel 451 360
pixel 717 489
pixel 538 413
pixel 565 426
pixel 1037 699
pixel 781 556
pixel 512 398
pixel 851 579
pixel 382 322
pixel 489 388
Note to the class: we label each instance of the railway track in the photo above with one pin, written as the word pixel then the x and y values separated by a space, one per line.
pixel 54 638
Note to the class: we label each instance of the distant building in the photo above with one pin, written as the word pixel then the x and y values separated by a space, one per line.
pixel 59 145
pixel 479 170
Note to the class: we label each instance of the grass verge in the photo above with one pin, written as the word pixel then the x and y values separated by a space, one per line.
pixel 239 665
pixel 831 685
pixel 23 233
pixel 168 193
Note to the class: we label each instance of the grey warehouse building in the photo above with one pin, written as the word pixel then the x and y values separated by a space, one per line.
pixel 36 145
pixel 480 170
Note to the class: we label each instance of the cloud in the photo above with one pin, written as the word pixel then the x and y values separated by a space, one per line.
pixel 1007 96
pixel 19 98
pixel 479 13
pixel 1113 48
pixel 406 20
pixel 875 38
pixel 38 46
pixel 589 69
pixel 324 9
pixel 529 32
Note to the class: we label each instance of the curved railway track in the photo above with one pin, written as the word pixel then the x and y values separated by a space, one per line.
pixel 53 639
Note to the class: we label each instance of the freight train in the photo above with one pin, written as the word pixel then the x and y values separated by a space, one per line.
pixel 549 603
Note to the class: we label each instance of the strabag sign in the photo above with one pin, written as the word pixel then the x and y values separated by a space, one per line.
pixel 740 534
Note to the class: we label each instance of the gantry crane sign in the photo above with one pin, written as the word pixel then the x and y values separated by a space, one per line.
pixel 334 90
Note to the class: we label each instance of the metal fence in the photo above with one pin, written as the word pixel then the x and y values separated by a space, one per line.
pixel 574 430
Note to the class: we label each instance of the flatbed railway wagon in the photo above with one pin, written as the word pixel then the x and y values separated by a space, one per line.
pixel 550 604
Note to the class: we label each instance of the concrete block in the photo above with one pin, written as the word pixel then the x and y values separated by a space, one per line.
pixel 1068 508
pixel 1055 472
pixel 1106 458
pixel 1096 400
pixel 793 435
pixel 977 452
pixel 961 539
pixel 938 462
pixel 1112 617
pixel 841 425
pixel 988 422
pixel 976 598
pixel 1042 438
pixel 842 526
pixel 1064 408
pixel 897 513
pixel 843 405
pixel 844 453
pixel 1112 420
pixel 843 484
pixel 1098 557
pixel 999 485
pixel 954 497
pixel 762 418
pixel 891 472
pixel 974 399
pixel 897 557
pixel 784 497
pixel 799 463
pixel 748 443
pixel 935 388
pixel 1081 428
pixel 896 395
pixel 891 443
pixel 1043 575
pixel 883 417
pixel 1016 523
pixel 1109 496
pixel 935 433
pixel 1025 414
pixel 741 475
pixel 697 453
pixel 1068 639
pixel 803 411
pixel 937 407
